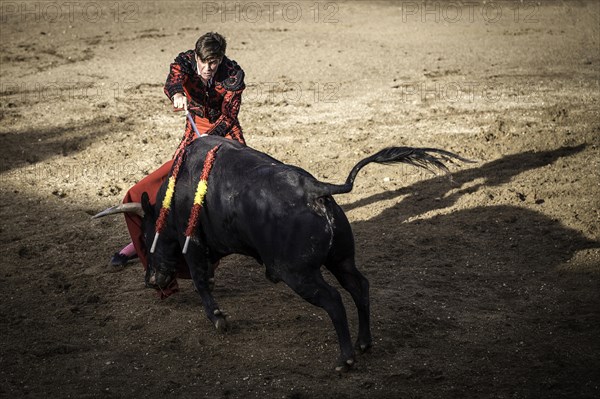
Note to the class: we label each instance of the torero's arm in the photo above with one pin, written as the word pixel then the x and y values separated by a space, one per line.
pixel 179 72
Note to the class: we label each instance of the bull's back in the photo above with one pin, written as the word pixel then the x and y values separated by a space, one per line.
pixel 258 206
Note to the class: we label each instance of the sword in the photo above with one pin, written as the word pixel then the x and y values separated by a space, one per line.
pixel 191 119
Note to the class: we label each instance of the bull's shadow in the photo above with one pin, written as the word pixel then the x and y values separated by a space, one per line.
pixel 493 174
pixel 479 292
pixel 513 238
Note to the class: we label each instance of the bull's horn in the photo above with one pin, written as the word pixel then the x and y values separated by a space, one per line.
pixel 132 207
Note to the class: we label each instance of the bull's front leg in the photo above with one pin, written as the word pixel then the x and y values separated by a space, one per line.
pixel 202 272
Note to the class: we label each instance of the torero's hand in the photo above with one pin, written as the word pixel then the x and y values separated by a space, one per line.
pixel 180 101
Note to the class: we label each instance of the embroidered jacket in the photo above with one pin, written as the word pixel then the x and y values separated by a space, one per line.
pixel 215 108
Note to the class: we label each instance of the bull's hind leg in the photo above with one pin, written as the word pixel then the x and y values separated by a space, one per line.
pixel 202 273
pixel 315 290
pixel 357 285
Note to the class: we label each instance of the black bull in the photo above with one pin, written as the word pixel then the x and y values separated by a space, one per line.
pixel 278 214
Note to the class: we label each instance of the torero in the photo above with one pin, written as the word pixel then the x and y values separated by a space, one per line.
pixel 208 85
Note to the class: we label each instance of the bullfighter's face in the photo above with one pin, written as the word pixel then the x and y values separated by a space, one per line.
pixel 208 68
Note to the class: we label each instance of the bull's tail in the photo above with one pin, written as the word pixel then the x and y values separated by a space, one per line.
pixel 430 159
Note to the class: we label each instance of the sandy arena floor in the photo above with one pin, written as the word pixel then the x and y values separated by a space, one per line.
pixel 487 287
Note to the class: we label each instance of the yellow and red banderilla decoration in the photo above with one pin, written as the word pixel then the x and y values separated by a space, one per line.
pixel 198 198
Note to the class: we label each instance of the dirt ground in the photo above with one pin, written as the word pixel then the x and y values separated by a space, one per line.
pixel 485 287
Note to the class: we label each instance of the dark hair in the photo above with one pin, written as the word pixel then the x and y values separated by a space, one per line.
pixel 211 45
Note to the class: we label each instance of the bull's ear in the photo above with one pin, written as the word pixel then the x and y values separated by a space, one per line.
pixel 146 206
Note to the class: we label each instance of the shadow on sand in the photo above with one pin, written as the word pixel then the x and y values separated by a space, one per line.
pixel 466 304
pixel 479 295
pixel 21 148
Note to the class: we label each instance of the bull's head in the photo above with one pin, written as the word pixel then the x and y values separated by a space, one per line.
pixel 162 262
pixel 160 270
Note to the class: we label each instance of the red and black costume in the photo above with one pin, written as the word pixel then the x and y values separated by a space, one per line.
pixel 214 108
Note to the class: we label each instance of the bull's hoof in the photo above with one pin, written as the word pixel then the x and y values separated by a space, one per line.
pixel 345 366
pixel 363 347
pixel 220 321
pixel 222 325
